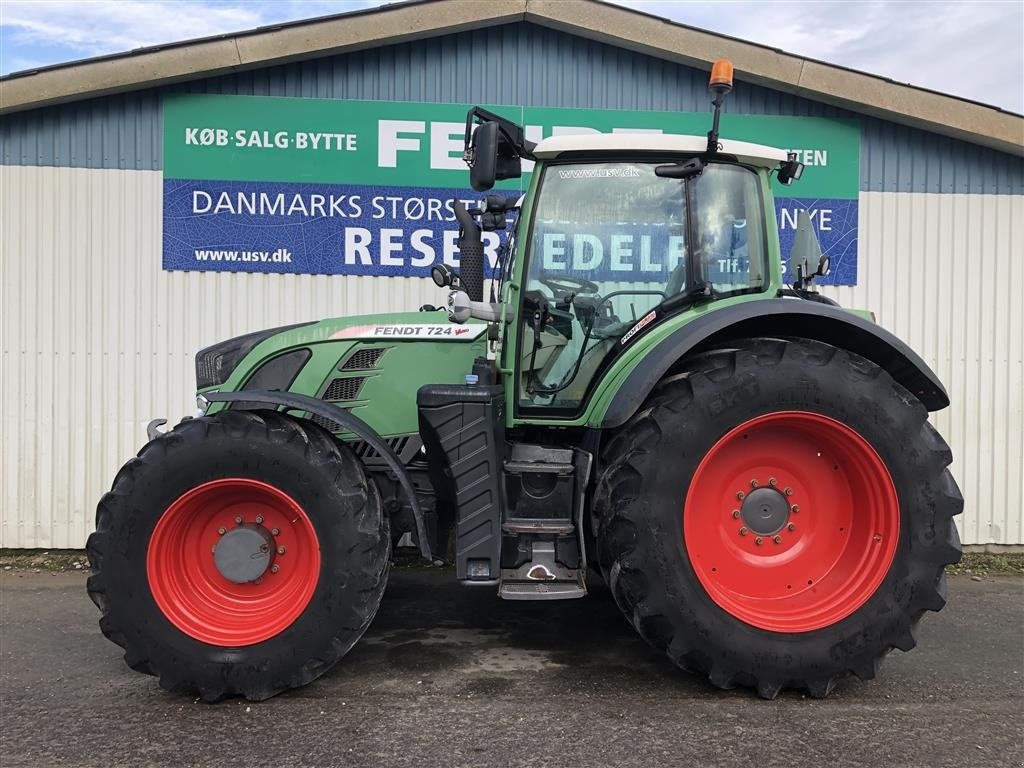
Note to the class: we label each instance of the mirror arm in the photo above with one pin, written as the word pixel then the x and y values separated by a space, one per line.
pixel 514 134
pixel 461 308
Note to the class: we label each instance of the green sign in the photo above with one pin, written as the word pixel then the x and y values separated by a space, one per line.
pixel 392 143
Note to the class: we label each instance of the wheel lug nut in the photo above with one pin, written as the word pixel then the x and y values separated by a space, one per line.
pixel 743 531
pixel 238 519
pixel 791 527
pixel 758 541
pixel 258 580
pixel 264 548
pixel 877 537
pixel 788 491
pixel 795 508
pixel 753 483
pixel 777 539
pixel 275 531
pixel 772 482
pixel 222 530
pixel 259 519
pixel 735 513
pixel 740 495
pixel 275 568
pixel 280 550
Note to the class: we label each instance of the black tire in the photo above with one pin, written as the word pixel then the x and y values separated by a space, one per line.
pixel 640 498
pixel 300 459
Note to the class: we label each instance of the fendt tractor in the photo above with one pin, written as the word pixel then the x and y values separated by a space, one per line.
pixel 747 466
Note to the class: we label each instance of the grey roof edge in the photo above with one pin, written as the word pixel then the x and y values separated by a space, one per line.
pixel 399 22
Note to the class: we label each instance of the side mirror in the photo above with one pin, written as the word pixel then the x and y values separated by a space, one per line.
pixel 790 170
pixel 492 157
pixel 442 275
pixel 824 266
pixel 484 148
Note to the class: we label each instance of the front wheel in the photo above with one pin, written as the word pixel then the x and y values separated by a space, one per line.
pixel 239 554
pixel 778 515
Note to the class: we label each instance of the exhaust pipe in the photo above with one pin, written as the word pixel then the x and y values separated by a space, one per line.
pixel 471 253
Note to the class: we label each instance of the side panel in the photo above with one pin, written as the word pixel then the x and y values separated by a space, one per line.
pixel 612 381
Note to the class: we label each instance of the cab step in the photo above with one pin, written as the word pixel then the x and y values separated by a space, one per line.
pixel 552 526
pixel 541 590
pixel 541 578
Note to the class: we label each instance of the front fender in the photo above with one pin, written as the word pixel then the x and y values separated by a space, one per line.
pixel 296 402
pixel 777 317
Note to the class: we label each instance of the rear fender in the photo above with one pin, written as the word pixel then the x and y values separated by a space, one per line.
pixel 777 317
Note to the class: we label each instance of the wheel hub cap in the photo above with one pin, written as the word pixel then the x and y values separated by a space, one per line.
pixel 765 511
pixel 244 554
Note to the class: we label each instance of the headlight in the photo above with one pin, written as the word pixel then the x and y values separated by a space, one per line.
pixel 214 364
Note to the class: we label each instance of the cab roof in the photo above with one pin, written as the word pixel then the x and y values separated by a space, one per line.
pixel 745 152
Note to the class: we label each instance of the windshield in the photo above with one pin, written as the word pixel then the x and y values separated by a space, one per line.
pixel 609 242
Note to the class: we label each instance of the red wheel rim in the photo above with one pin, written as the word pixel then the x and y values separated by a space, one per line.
pixel 837 538
pixel 193 594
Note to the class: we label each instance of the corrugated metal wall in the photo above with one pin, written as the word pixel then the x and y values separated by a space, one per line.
pixel 97 339
pixel 942 272
pixel 520 64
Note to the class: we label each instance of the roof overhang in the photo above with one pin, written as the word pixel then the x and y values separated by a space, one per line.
pixel 653 36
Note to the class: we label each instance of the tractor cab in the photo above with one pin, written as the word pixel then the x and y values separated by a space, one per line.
pixel 610 247
pixel 618 233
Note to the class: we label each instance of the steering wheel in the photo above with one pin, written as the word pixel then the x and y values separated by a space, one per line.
pixel 562 284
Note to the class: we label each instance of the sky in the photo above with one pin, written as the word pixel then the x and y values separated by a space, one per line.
pixel 973 48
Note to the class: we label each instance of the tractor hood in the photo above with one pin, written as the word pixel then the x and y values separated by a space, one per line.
pixel 371 365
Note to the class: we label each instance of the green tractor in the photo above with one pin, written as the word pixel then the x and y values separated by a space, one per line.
pixel 642 398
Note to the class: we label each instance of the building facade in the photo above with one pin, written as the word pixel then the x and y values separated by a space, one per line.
pixel 98 337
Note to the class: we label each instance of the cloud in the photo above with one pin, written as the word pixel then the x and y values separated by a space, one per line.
pixel 969 49
pixel 60 30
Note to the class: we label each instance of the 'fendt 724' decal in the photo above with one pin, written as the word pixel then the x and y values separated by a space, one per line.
pixel 440 331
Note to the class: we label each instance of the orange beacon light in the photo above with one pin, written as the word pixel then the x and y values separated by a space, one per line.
pixel 721 76
pixel 720 83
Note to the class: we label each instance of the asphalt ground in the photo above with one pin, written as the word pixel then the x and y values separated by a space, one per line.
pixel 452 676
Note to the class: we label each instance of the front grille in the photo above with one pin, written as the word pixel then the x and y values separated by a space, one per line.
pixel 344 389
pixel 407 449
pixel 366 451
pixel 363 359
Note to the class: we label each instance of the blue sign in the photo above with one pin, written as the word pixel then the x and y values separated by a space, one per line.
pixel 333 229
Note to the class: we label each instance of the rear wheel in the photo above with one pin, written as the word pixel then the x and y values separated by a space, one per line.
pixel 778 515
pixel 243 553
